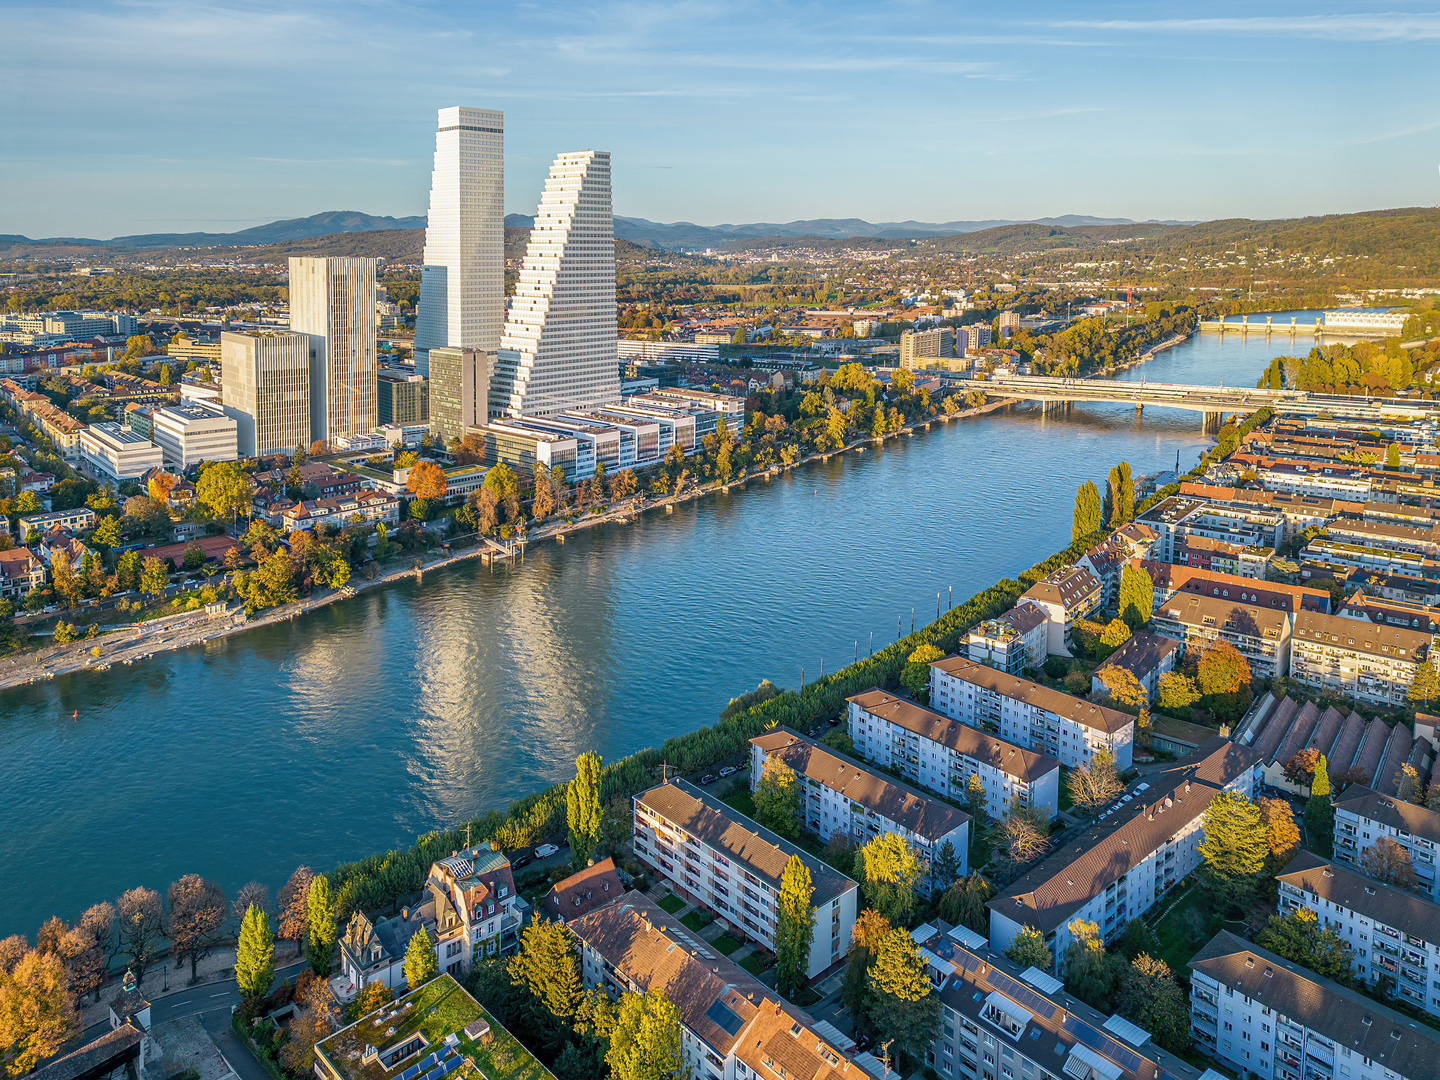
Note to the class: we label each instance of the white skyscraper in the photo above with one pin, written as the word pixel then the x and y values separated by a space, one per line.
pixel 333 301
pixel 558 350
pixel 462 284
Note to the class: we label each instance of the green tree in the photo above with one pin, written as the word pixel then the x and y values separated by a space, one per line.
pixel 645 1041
pixel 1087 511
pixel 1115 634
pixel 107 533
pixel 1234 848
pixel 1137 596
pixel 1090 972
pixel 582 809
pixel 901 1004
pixel 777 799
pixel 945 867
pixel 546 966
pixel 1137 938
pixel 1149 995
pixel 915 678
pixel 794 928
pixel 37 1013
pixel 1320 812
pixel 888 872
pixel 255 955
pixel 1424 687
pixel 153 578
pixel 871 928
pixel 1320 785
pixel 320 925
pixel 963 903
pixel 977 803
pixel 501 479
pixel 1392 456
pixel 1175 690
pixel 1298 936
pixel 224 490
pixel 420 963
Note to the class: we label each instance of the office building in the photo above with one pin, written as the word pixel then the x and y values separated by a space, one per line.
pixel 402 395
pixel 113 454
pixel 724 862
pixel 558 349
pixel 459 388
pixel 926 348
pixel 265 389
pixel 333 301
pixel 842 797
pixel 1265 1016
pixel 462 281
pixel 1362 816
pixel 190 432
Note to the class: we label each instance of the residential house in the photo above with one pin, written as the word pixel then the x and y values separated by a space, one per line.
pixel 1362 660
pixel 1363 815
pixel 582 892
pixel 1145 656
pixel 1260 634
pixel 1013 642
pixel 20 572
pixel 1171 579
pixel 1070 593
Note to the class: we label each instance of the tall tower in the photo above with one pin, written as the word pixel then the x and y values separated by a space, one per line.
pixel 558 351
pixel 462 284
pixel 333 301
pixel 265 389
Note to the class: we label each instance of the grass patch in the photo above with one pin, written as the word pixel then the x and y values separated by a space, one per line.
pixel 1065 801
pixel 1185 928
pixel 757 963
pixel 671 903
pixel 697 920
pixel 725 944
pixel 741 801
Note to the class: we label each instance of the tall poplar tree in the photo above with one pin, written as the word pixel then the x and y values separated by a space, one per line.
pixel 582 809
pixel 320 925
pixel 1087 511
pixel 255 955
pixel 794 928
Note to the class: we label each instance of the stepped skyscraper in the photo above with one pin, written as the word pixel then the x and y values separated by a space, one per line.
pixel 558 350
pixel 462 284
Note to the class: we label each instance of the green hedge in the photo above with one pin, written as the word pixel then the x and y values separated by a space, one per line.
pixel 383 878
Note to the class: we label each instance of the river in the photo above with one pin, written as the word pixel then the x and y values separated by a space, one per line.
pixel 355 728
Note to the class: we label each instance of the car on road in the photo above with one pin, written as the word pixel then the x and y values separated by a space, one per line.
pixel 707 780
pixel 523 859
pixel 544 851
pixel 729 770
pixel 812 732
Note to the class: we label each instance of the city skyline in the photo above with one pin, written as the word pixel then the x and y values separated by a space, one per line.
pixel 1089 111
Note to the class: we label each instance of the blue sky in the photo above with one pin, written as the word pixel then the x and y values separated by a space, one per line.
pixel 170 115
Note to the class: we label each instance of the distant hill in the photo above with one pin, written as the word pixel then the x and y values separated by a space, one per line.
pixel 331 221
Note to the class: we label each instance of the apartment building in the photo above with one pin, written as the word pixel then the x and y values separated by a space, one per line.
pixel 1107 559
pixel 1391 535
pixel 1067 728
pixel 1260 634
pixel 1070 593
pixel 941 754
pixel 1180 518
pixel 1359 659
pixel 726 863
pixel 190 432
pixel 1324 482
pixel 926 348
pixel 726 1015
pixel 341 510
pixel 1395 934
pixel 1325 549
pixel 843 797
pixel 999 1023
pixel 1260 1014
pixel 1383 611
pixel 75 520
pixel 1136 851
pixel 114 454
pixel 1172 578
pixel 20 572
pixel 1012 642
pixel 1363 815
pixel 1145 656
pixel 582 892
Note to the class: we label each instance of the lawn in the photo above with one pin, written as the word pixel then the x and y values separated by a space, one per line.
pixel 1185 928
pixel 671 903
pixel 741 801
pixel 696 920
pixel 1065 801
pixel 757 963
pixel 725 944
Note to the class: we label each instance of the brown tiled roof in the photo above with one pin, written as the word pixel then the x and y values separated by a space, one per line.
pixel 1355 892
pixel 1024 618
pixel 1174 577
pixel 1142 654
pixel 111 1049
pixel 1354 1021
pixel 1066 587
pixel 773 1035
pixel 590 888
pixel 1071 708
pixel 998 753
pixel 873 790
pixel 1247 619
pixel 1388 810
pixel 1338 632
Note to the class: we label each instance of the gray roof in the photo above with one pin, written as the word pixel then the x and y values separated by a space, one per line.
pixel 1074 709
pixel 1365 896
pixel 1390 811
pixel 1142 654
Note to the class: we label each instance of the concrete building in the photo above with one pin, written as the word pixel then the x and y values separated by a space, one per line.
pixel 1369 663
pixel 845 798
pixel 941 755
pixel 558 348
pixel 462 281
pixel 1394 933
pixel 1012 642
pixel 265 389
pixel 1370 558
pixel 1172 578
pixel 926 348
pixel 459 390
pixel 972 338
pixel 730 865
pixel 1260 1014
pixel 194 431
pixel 1180 518
pixel 1261 635
pixel 1047 721
pixel 114 454
pixel 1145 656
pixel 1067 594
pixel 1362 816
pixel 333 301
pixel 1353 484
pixel 1130 857
pixel 402 395
pixel 523 445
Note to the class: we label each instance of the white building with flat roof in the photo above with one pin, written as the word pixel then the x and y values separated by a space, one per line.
pixel 194 431
pixel 115 454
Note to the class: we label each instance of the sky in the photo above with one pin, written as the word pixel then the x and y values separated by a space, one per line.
pixel 208 115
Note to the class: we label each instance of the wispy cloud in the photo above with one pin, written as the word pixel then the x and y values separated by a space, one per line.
pixel 1371 27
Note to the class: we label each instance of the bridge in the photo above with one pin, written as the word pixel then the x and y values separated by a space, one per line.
pixel 1245 326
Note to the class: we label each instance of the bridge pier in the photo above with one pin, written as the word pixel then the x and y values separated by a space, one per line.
pixel 1212 422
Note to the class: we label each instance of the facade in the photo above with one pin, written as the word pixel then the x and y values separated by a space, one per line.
pixel 1133 854
pixel 265 389
pixel 115 454
pixel 194 431
pixel 477 908
pixel 459 388
pixel 333 301
pixel 401 396
pixel 1263 1015
pixel 20 573
pixel 1362 816
pixel 558 349
pixel 76 520
pixel 1068 729
pixel 522 445
pixel 1012 642
pixel 921 348
pixel 338 511
pixel 1261 634
pixel 1370 557
pixel 462 282
pixel 1367 662
pixel 732 866
pixel 942 754
pixel 842 797
pixel 1172 578
pixel 1070 593
pixel 1145 656
pixel 1180 519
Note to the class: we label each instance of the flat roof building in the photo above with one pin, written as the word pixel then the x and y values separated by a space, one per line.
pixel 190 432
pixel 115 454
pixel 265 389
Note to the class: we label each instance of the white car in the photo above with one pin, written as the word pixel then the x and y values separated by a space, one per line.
pixel 544 851
pixel 729 770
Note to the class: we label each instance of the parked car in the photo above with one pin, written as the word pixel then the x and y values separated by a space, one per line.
pixel 523 859
pixel 706 780
pixel 729 770
pixel 544 851
pixel 812 732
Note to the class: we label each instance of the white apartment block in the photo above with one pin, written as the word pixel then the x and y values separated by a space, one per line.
pixel 462 281
pixel 1145 843
pixel 941 754
pixel 115 454
pixel 558 348
pixel 1369 557
pixel 1395 934
pixel 1324 482
pixel 1264 1016
pixel 842 797
pixel 1260 634
pixel 1359 659
pixel 727 1017
pixel 1070 593
pixel 265 389
pixel 1181 517
pixel 1362 816
pixel 333 301
pixel 730 865
pixel 194 431
pixel 1068 729
pixel 1012 642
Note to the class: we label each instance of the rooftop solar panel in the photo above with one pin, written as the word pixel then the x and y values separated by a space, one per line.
pixel 1021 994
pixel 1102 1044
pixel 722 1017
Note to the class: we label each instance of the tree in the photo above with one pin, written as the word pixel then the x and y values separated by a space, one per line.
pixel 487 510
pixel 1095 784
pixel 1321 784
pixel 1392 456
pixel 1090 972
pixel 1087 511
pixel 1234 848
pixel 542 505
pixel 794 928
pixel 1411 787
pixel 36 1011
pixel 370 998
pixel 194 557
pixel 915 678
pixel 198 911
pixel 722 450
pixel 138 921
pixel 1149 995
pixel 224 490
pixel 1298 936
pixel 977 803
pixel 1119 496
pixel 870 929
pixel 426 480
pixel 778 799
pixel 159 486
pixel 1222 670
pixel 501 479
pixel 107 533
pixel 888 872
pixel 67 586
pixel 251 894
pixel 298 456
pixel 1387 861
pixel 963 903
pixel 546 966
pixel 1024 834
pixel 1029 950
pixel 420 964
pixel 582 809
pixel 945 867
pixel 1121 685
pixel 1282 836
pixel 308 1028
pixel 1424 687
pixel 153 578
pixel 1300 769
pixel 319 925
pixel 12 951
pixel 901 1004
pixel 1137 596
pixel 1135 939
pixel 255 955
pixel 645 1041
